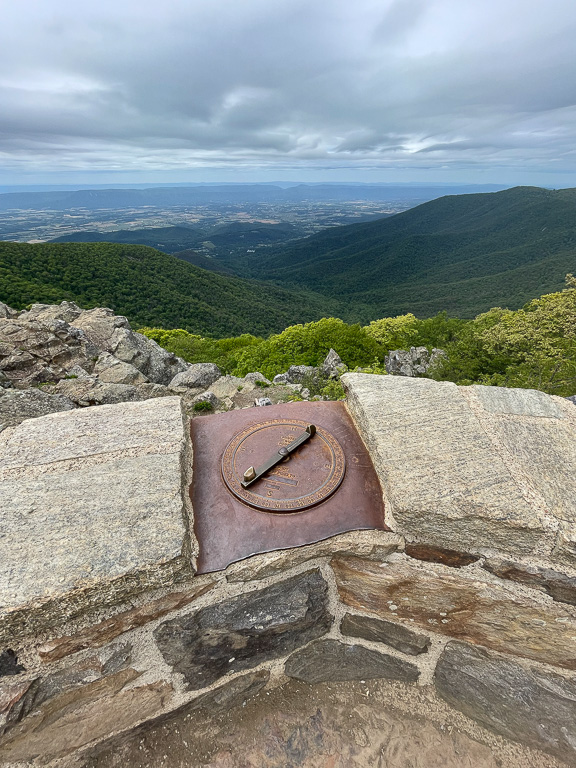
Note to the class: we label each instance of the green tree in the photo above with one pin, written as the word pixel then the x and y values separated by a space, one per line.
pixel 533 347
pixel 197 349
pixel 308 345
pixel 391 333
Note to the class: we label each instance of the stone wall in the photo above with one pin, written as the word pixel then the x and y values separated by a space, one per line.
pixel 104 625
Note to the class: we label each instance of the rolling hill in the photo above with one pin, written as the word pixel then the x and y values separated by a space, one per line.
pixel 223 238
pixel 151 288
pixel 462 253
pixel 167 239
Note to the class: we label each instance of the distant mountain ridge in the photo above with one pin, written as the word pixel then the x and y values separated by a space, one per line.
pixel 94 199
pixel 463 254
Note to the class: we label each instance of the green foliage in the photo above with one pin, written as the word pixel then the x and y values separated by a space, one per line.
pixel 437 331
pixel 533 347
pixel 197 349
pixel 201 406
pixel 394 332
pixel 374 367
pixel 333 390
pixel 308 345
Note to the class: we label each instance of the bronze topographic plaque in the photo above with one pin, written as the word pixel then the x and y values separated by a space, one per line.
pixel 279 477
pixel 303 478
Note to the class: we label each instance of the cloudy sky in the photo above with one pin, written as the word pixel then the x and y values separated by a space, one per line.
pixel 479 91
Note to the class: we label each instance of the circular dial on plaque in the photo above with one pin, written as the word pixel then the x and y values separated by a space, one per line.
pixel 307 476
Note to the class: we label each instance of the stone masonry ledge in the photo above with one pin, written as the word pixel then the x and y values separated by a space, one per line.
pixel 92 510
pixel 474 469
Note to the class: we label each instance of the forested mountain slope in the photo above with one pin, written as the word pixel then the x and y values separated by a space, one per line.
pixel 461 253
pixel 150 288
pixel 174 239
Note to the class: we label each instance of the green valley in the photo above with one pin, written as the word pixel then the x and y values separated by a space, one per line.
pixel 459 253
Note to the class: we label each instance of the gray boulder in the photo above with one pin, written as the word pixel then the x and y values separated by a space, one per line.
pixel 147 391
pixel 333 367
pixel 6 311
pixel 100 326
pixel 91 391
pixel 197 375
pixel 227 386
pixel 18 405
pixel 112 333
pixel 280 378
pixel 34 352
pixel 572 399
pixel 109 369
pixel 416 361
pixel 297 373
pixel 66 311
pixel 156 363
pixel 52 341
pixel 255 376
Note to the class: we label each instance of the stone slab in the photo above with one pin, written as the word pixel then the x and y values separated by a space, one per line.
pixel 558 585
pixel 330 660
pixel 517 402
pixel 469 609
pixel 92 509
pixel 459 468
pixel 98 634
pixel 535 707
pixel 388 632
pixel 242 632
pixel 75 718
pixel 538 439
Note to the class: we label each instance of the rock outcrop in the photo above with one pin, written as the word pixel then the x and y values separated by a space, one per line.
pixel 48 342
pixel 17 405
pixel 416 361
pixel 59 356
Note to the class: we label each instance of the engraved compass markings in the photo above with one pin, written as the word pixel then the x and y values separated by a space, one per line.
pixel 251 474
pixel 310 472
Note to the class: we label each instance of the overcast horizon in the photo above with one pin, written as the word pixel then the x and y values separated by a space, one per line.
pixel 376 91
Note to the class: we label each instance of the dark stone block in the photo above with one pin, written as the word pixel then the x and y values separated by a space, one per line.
pixel 9 663
pixel 231 694
pixel 559 586
pixel 534 707
pixel 381 631
pixel 329 660
pixel 433 554
pixel 244 631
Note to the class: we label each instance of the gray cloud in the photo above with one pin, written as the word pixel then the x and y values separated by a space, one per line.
pixel 391 85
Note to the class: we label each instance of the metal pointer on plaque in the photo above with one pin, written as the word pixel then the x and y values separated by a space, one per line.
pixel 251 474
